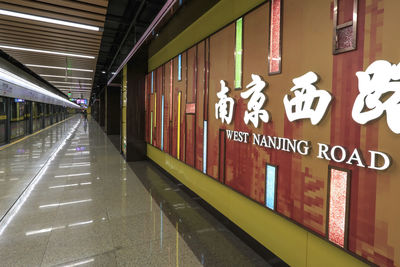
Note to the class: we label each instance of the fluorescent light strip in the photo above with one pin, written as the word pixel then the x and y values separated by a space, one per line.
pixel 64 77
pixel 57 68
pixel 45 51
pixel 48 20
pixel 72 87
pixel 14 79
pixel 70 83
pixel 75 90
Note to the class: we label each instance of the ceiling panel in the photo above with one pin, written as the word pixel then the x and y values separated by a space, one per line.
pixel 32 34
pixel 67 14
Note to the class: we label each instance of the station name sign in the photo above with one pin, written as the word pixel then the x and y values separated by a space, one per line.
pixel 307 101
pixel 377 160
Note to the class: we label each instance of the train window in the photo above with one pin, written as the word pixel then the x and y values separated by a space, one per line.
pixel 14 107
pixel 21 111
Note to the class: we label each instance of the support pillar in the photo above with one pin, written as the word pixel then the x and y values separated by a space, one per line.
pixel 112 123
pixel 135 118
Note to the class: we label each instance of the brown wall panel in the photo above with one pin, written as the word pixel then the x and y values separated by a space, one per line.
pixel 302 190
pixel 201 69
pixel 221 68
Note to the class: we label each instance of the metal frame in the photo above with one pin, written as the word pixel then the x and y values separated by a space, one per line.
pixel 221 178
pixel 234 57
pixel 346 225
pixel 280 38
pixel 276 185
pixel 336 27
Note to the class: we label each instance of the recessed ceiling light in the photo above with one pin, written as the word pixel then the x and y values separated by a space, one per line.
pixel 48 20
pixel 104 72
pixel 70 83
pixel 66 77
pixel 57 68
pixel 45 51
pixel 75 90
pixel 64 86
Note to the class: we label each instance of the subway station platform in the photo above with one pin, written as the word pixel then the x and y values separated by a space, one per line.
pixel 68 198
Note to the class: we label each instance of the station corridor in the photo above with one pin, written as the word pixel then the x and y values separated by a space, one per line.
pixel 68 198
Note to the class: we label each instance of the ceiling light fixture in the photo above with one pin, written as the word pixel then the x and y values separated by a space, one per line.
pixel 57 68
pixel 45 51
pixel 66 86
pixel 65 77
pixel 70 83
pixel 48 20
pixel 14 79
pixel 75 90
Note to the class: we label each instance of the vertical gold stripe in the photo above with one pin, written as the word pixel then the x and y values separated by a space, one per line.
pixel 151 128
pixel 179 124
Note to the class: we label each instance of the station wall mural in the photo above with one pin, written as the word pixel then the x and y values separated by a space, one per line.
pixel 296 106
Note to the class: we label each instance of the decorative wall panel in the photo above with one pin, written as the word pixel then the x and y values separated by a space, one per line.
pixel 219 108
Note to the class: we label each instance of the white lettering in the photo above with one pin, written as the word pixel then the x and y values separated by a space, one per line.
pixel 303 147
pixel 373 162
pixel 334 153
pixel 229 134
pixel 291 145
pixel 272 140
pixel 322 151
pixel 356 156
pixel 256 139
pixel 263 141
pixel 379 79
pixel 237 136
pixel 246 136
pixel 301 106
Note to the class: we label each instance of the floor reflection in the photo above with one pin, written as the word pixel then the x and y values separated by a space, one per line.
pixel 80 204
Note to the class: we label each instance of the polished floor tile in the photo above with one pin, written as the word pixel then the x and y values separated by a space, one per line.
pixel 68 198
